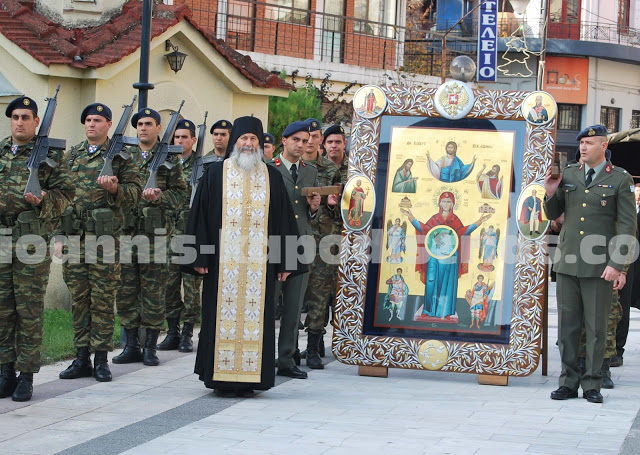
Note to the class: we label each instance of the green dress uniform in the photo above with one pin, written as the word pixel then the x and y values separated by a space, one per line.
pixel 594 214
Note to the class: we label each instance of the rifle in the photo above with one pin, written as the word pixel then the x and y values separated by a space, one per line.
pixel 164 149
pixel 198 166
pixel 42 146
pixel 119 141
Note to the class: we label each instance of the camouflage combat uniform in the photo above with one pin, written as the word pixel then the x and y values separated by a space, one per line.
pixel 22 286
pixel 96 212
pixel 144 276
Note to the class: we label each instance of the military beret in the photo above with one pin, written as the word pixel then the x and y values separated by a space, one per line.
pixel 221 125
pixel 184 124
pixel 24 102
pixel 593 130
pixel 143 113
pixel 314 124
pixel 333 129
pixel 295 127
pixel 95 109
pixel 269 139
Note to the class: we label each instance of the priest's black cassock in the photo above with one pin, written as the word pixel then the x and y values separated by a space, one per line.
pixel 205 222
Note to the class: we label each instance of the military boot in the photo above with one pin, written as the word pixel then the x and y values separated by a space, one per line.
pixel 24 390
pixel 8 380
pixel 80 367
pixel 186 345
pixel 607 382
pixel 172 340
pixel 131 352
pixel 101 369
pixel 313 358
pixel 149 353
pixel 321 350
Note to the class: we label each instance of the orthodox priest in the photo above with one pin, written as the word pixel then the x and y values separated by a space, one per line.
pixel 241 206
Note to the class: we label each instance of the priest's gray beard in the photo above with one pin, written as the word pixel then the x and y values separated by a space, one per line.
pixel 246 158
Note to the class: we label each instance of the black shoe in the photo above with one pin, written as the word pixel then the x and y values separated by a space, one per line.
pixel 149 356
pixel 244 393
pixel 313 358
pixel 293 372
pixel 101 370
pixel 80 367
pixel 172 341
pixel 607 382
pixel 616 361
pixel 131 352
pixel 8 380
pixel 224 393
pixel 564 393
pixel 24 390
pixel 186 345
pixel 593 396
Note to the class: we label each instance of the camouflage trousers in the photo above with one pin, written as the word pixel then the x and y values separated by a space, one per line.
pixel 321 292
pixel 189 309
pixel 614 317
pixel 22 289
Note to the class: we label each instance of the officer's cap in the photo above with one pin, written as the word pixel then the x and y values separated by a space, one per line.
pixel 184 124
pixel 24 102
pixel 593 130
pixel 296 127
pixel 314 124
pixel 333 129
pixel 143 113
pixel 95 109
pixel 221 125
pixel 269 139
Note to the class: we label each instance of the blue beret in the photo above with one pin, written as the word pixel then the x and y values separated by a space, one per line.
pixel 184 124
pixel 269 139
pixel 221 125
pixel 314 124
pixel 296 127
pixel 143 113
pixel 95 109
pixel 593 130
pixel 333 129
pixel 24 102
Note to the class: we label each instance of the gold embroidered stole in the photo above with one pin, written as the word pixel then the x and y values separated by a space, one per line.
pixel 243 275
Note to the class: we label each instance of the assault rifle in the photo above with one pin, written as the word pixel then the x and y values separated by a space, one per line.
pixel 42 146
pixel 164 149
pixel 119 140
pixel 198 165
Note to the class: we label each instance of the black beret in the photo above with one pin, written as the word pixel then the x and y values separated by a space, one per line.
pixel 95 109
pixel 24 102
pixel 221 125
pixel 143 113
pixel 314 124
pixel 295 127
pixel 184 124
pixel 593 130
pixel 269 139
pixel 333 129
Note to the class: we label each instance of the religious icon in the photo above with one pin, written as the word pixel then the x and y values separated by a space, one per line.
pixel 489 239
pixel 358 201
pixel 539 108
pixel 396 241
pixel 490 182
pixel 404 181
pixel 449 168
pixel 478 298
pixel 369 101
pixel 532 221
pixel 396 298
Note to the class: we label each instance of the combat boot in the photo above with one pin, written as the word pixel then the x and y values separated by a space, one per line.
pixel 607 382
pixel 8 380
pixel 24 390
pixel 313 358
pixel 321 350
pixel 131 352
pixel 80 367
pixel 101 369
pixel 186 345
pixel 172 340
pixel 149 354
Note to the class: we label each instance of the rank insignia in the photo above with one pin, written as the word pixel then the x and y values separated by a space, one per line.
pixel 608 169
pixel 278 162
pixel 99 108
pixel 26 101
pixel 603 203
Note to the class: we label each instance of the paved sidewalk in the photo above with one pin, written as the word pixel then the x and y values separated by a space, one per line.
pixel 165 409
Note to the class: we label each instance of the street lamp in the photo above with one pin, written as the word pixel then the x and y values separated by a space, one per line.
pixel 176 58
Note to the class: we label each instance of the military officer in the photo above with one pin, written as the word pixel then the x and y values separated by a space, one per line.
pixel 188 310
pixel 596 199
pixel 220 133
pixel 269 146
pixel 96 211
pixel 23 285
pixel 146 275
pixel 296 175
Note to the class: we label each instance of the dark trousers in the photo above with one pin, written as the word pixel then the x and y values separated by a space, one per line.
pixel 622 329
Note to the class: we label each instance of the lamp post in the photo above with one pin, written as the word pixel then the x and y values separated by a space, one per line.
pixel 143 84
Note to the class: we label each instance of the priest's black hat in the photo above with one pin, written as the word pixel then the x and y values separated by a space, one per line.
pixel 244 125
pixel 24 102
pixel 96 109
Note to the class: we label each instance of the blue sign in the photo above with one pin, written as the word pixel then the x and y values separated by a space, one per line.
pixel 488 41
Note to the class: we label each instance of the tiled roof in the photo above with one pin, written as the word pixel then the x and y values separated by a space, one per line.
pixel 95 47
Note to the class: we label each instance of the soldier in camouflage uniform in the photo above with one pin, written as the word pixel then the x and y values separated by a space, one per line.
pixel 176 309
pixel 22 285
pixel 141 297
pixel 323 277
pixel 97 211
pixel 220 134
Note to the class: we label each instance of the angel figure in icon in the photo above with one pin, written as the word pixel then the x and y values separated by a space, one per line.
pixel 396 241
pixel 489 239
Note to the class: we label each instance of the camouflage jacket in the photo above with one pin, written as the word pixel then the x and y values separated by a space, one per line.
pixel 327 175
pixel 331 216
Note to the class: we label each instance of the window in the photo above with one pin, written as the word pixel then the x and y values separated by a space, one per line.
pixel 624 8
pixel 635 119
pixel 295 11
pixel 569 116
pixel 610 117
pixel 375 17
